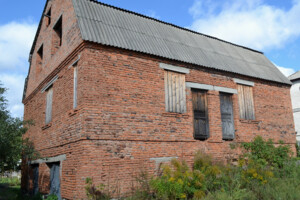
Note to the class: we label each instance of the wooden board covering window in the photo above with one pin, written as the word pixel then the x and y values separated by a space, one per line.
pixel 49 105
pixel 35 179
pixel 226 107
pixel 246 105
pixel 55 179
pixel 175 97
pixel 75 87
pixel 201 128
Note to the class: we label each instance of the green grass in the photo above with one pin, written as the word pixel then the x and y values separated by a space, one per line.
pixel 10 181
pixel 10 189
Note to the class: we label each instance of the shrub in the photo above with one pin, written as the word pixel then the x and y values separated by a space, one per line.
pixel 213 173
pixel 95 193
pixel 297 150
pixel 265 153
pixel 253 171
pixel 179 182
pixel 52 197
pixel 259 168
pixel 264 172
pixel 144 189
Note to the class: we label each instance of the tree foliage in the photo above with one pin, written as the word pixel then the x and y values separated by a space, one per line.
pixel 11 131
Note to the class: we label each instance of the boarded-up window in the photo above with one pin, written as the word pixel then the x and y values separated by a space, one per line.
pixel 226 107
pixel 201 128
pixel 246 105
pixel 175 92
pixel 75 88
pixel 49 98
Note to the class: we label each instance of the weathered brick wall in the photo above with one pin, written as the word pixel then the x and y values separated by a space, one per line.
pixel 71 38
pixel 65 125
pixel 129 101
pixel 127 125
pixel 121 126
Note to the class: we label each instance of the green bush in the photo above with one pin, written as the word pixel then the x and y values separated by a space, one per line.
pixel 264 172
pixel 266 154
pixel 96 192
pixel 144 189
pixel 213 173
pixel 52 197
pixel 179 182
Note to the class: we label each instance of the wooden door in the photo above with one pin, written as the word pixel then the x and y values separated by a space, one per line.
pixel 35 170
pixel 55 179
pixel 201 128
pixel 227 116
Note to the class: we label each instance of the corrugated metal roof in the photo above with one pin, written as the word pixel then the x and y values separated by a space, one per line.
pixel 108 25
pixel 294 76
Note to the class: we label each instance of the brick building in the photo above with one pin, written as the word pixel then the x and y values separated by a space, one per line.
pixel 113 92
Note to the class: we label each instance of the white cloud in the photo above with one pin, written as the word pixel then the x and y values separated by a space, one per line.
pixel 14 84
pixel 252 23
pixel 15 42
pixel 286 71
pixel 153 14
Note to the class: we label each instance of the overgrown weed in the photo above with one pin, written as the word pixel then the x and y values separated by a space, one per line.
pixel 264 171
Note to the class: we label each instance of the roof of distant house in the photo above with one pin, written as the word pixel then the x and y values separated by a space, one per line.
pixel 294 76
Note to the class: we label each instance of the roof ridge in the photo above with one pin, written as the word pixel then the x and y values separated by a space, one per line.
pixel 294 76
pixel 294 73
pixel 173 25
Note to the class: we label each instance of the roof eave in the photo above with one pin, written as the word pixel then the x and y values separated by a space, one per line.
pixel 32 49
pixel 38 30
pixel 288 82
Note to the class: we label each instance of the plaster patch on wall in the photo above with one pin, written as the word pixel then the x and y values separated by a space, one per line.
pixel 160 160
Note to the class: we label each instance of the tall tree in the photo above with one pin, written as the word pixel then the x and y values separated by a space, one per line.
pixel 11 131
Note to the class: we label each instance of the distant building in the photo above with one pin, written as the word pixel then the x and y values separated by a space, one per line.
pixel 295 96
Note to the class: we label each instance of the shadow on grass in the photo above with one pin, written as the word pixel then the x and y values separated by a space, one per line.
pixel 8 192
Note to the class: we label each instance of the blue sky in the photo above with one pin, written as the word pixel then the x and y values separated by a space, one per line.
pixel 271 26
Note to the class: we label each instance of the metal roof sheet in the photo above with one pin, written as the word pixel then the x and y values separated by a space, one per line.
pixel 294 76
pixel 108 25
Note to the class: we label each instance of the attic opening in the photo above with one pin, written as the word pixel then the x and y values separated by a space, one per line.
pixel 57 35
pixel 40 52
pixel 48 17
pixel 58 30
pixel 39 59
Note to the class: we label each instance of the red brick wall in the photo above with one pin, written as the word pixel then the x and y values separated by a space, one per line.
pixel 129 90
pixel 121 120
pixel 71 38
